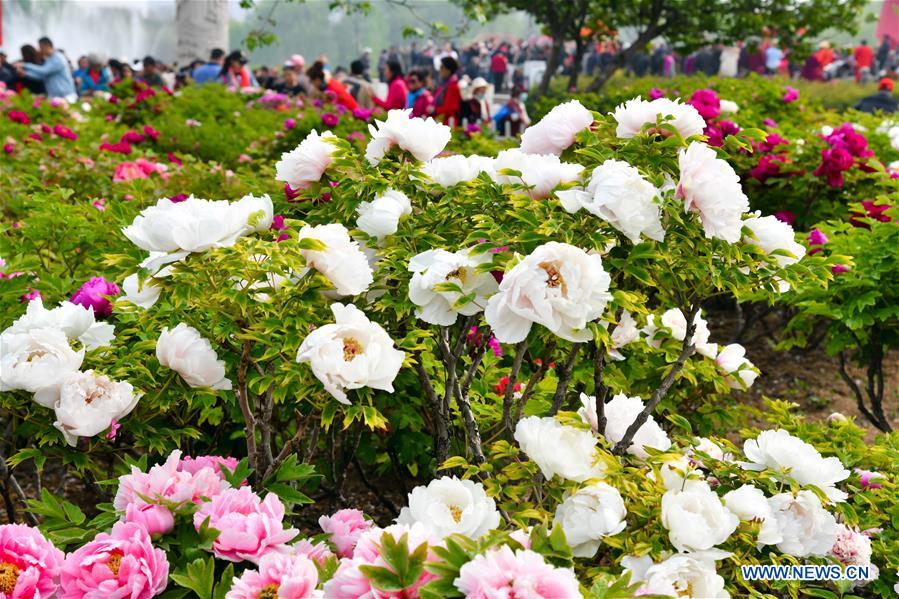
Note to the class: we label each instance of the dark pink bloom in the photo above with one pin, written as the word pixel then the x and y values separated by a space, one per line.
pixel 114 427
pixel 768 167
pixel 35 136
pixel 330 119
pixel 838 269
pixel 867 478
pixel 786 216
pixel 30 295
pixel 363 114
pixel 95 294
pixel 873 211
pixel 816 237
pixel 132 137
pixel 9 148
pixel 355 135
pixel 113 99
pixel 173 159
pixel 99 204
pixel 834 162
pixel 290 123
pixel 707 103
pixel 655 93
pixel 770 123
pixel 151 132
pixel 120 147
pixel 45 128
pixel 290 193
pixel 472 129
pixel 330 96
pixel 17 116
pixel 791 94
pixel 65 132
pixel 278 225
pixel 178 197
pixel 771 142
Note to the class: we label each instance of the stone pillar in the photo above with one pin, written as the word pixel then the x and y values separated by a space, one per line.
pixel 202 25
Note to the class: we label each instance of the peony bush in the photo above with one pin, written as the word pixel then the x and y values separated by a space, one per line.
pixel 523 335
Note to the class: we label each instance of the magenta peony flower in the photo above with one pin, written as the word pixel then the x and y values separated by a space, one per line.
pixel 95 294
pixel 768 167
pixel 523 573
pixel 769 122
pixel 345 528
pixel 17 116
pixel 178 197
pixel 785 216
pixel 839 269
pixel 278 225
pixel 707 103
pixel 363 114
pixel 868 478
pixel 114 427
pixel 290 123
pixel 121 147
pixel 64 132
pixel 151 132
pixel 173 159
pixel 330 119
pixel 816 237
pixel 250 527
pixel 131 137
pixel 31 294
pixel 122 564
pixel 791 94
pixel 216 462
pixel 834 162
pixel 873 211
pixel 355 136
pixel 656 93
pixel 29 563
pixel 278 575
pixel 330 96
pixel 290 193
pixel 9 147
pixel 35 137
pixel 155 519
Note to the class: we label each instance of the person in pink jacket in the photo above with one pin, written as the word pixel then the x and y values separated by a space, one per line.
pixel 396 90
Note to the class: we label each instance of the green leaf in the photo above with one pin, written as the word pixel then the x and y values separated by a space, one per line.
pixel 199 577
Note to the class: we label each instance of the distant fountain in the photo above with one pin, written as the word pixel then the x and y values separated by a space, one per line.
pixel 201 27
pixel 123 29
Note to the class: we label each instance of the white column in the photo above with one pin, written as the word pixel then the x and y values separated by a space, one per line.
pixel 202 25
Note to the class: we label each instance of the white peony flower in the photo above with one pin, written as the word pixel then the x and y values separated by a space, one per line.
pixel 141 294
pixel 36 359
pixel 433 268
pixel 540 172
pixel 624 333
pixel 305 164
pixel 710 448
pixel 588 412
pixel 342 261
pixel 851 547
pixel 729 107
pixel 749 503
pixel 423 138
pixel 675 321
pixel 593 512
pixel 559 286
pixel 557 130
pixel 186 352
pixel 450 170
pixel 807 528
pixel 781 451
pixel 72 319
pixel 100 334
pixel 558 449
pixel 678 472
pixel 448 506
pixel 86 404
pixel 710 187
pixel 351 353
pixel 381 217
pixel 681 575
pixel 772 234
pixel 621 412
pixel 196 225
pixel 696 519
pixel 618 194
pixel 633 114
pixel 732 360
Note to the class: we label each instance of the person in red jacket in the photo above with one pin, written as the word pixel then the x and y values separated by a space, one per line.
pixel 419 99
pixel 448 98
pixel 499 65
pixel 322 82
pixel 864 59
pixel 396 90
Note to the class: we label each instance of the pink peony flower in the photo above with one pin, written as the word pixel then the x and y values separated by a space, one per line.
pixel 114 427
pixel 167 483
pixel 216 462
pixel 349 582
pixel 707 103
pixel 868 478
pixel 355 136
pixel 873 211
pixel 363 114
pixel 17 116
pixel 656 93
pixel 139 169
pixel 278 575
pixel 132 137
pixel 839 269
pixel 121 147
pixel 317 552
pixel 173 159
pixel 522 574
pixel 769 122
pixel 816 237
pixel 9 147
pixel 330 119
pixel 30 295
pixel 151 132
pixel 290 123
pixel 95 294
pixel 155 519
pixel 121 564
pixel 851 548
pixel 64 132
pixel 35 137
pixel 768 167
pixel 29 563
pixel 244 158
pixel 250 527
pixel 785 216
pixel 791 94
pixel 345 528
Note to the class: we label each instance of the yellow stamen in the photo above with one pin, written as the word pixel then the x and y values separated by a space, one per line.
pixel 9 574
pixel 456 511
pixel 269 591
pixel 351 349
pixel 114 562
pixel 554 276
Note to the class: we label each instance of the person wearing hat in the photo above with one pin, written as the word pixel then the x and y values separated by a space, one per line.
pixel 882 101
pixel 211 70
pixel 234 71
pixel 476 109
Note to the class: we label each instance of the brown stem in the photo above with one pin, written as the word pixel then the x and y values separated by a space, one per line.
pixel 536 377
pixel 385 501
pixel 509 395
pixel 462 398
pixel 564 374
pixel 286 451
pixel 244 401
pixel 441 424
pixel 600 391
pixel 660 392
pixel 312 445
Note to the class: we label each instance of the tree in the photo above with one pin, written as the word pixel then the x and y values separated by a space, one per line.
pixel 685 24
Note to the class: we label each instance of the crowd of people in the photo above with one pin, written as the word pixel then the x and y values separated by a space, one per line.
pixel 447 84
